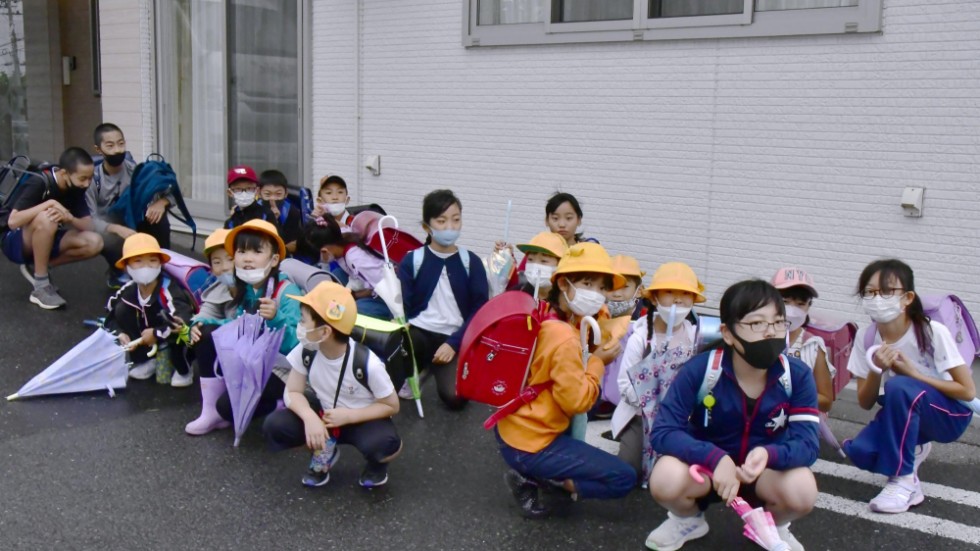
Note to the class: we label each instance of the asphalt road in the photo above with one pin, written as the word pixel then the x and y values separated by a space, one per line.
pixel 90 471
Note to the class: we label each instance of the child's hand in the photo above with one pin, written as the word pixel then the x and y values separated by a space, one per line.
pixel 725 480
pixel 337 417
pixel 267 308
pixel 902 365
pixel 155 212
pixel 499 246
pixel 317 212
pixel 885 356
pixel 195 333
pixel 754 464
pixel 316 433
pixel 444 354
pixel 148 337
pixel 124 339
pixel 609 351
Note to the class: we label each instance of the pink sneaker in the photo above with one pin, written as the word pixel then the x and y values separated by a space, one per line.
pixel 897 496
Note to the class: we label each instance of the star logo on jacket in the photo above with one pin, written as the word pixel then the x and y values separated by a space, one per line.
pixel 777 419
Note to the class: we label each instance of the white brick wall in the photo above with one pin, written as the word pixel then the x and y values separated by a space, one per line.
pixel 128 100
pixel 736 156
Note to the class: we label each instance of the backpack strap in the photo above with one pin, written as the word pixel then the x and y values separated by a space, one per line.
pixel 417 259
pixel 786 379
pixel 360 366
pixel 712 374
pixel 283 213
pixel 527 395
pixel 869 335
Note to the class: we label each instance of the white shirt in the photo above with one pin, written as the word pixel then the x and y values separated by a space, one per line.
pixel 808 351
pixel 442 314
pixel 324 374
pixel 945 355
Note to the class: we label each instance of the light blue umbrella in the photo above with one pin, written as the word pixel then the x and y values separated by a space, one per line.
pixel 96 363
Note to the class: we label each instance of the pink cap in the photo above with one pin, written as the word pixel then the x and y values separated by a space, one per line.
pixel 242 172
pixel 793 277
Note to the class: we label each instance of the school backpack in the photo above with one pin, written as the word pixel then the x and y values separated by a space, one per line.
pixel 496 352
pixel 839 339
pixel 193 275
pixel 151 179
pixel 950 311
pixel 13 174
pixel 359 365
pixel 713 374
pixel 418 257
pixel 399 242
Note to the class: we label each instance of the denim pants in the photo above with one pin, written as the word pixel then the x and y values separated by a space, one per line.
pixel 596 474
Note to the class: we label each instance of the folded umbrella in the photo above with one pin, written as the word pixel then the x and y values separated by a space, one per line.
pixel 96 363
pixel 580 421
pixel 759 524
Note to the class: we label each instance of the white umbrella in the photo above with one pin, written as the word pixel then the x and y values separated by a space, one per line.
pixel 580 421
pixel 96 363
pixel 390 287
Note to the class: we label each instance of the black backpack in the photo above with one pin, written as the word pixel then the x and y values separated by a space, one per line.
pixel 361 356
pixel 17 171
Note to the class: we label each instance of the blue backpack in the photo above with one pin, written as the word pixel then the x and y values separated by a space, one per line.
pixel 151 179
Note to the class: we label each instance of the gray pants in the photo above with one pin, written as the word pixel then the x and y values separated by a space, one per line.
pixel 631 445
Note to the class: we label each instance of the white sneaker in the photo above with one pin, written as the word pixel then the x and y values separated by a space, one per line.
pixel 921 453
pixel 180 381
pixel 405 392
pixel 897 496
pixel 144 370
pixel 788 538
pixel 674 532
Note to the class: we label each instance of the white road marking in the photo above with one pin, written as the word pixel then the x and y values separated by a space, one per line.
pixel 938 491
pixel 857 509
pixel 912 521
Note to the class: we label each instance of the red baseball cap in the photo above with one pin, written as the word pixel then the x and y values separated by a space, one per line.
pixel 242 172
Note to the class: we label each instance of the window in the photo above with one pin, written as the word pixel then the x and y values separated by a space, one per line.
pixel 507 22
pixel 231 82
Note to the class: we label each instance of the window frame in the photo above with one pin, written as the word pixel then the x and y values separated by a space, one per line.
pixel 866 17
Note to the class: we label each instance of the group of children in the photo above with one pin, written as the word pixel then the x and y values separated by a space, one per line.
pixel 745 408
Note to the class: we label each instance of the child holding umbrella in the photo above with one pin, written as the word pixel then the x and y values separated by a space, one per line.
pixel 754 430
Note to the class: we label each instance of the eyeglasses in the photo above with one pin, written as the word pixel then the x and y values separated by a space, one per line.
pixel 883 293
pixel 761 326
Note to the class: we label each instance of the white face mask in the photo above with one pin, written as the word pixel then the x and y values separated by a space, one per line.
pixel 795 316
pixel 336 209
pixel 680 313
pixel 539 275
pixel 302 334
pixel 243 198
pixel 143 276
pixel 883 310
pixel 254 276
pixel 586 302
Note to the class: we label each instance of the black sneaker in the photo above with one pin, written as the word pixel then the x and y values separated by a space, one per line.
pixel 525 491
pixel 374 475
pixel 556 499
pixel 313 479
pixel 115 279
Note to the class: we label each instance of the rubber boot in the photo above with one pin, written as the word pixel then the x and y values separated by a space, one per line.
pixel 211 389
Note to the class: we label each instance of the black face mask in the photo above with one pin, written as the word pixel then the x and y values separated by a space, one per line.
pixel 761 354
pixel 115 159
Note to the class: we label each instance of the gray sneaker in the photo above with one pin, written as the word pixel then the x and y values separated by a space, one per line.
pixel 47 297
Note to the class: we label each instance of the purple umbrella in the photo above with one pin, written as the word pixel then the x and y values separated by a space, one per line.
pixel 246 352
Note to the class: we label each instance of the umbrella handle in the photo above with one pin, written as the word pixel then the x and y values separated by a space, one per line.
pixel 671 319
pixel 587 323
pixel 133 344
pixel 696 471
pixel 870 358
pixel 381 232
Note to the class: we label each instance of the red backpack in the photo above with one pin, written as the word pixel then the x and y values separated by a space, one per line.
pixel 496 352
pixel 399 242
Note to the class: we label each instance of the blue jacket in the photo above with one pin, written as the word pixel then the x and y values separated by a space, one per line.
pixel 471 292
pixel 785 425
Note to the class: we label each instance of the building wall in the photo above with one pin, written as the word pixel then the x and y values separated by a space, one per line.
pixel 42 58
pixel 736 155
pixel 128 74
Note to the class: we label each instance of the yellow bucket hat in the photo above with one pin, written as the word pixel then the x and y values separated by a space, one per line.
pixel 332 302
pixel 138 244
pixel 588 258
pixel 676 276
pixel 215 240
pixel 257 226
pixel 545 242
pixel 627 266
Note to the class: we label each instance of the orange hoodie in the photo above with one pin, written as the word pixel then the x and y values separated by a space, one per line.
pixel 557 358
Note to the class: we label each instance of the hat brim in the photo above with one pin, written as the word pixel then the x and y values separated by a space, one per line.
pixel 527 248
pixel 808 287
pixel 230 240
pixel 121 263
pixel 341 328
pixel 654 287
pixel 618 280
